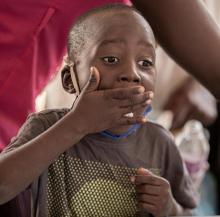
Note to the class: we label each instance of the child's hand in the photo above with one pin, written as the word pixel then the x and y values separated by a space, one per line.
pixel 153 194
pixel 98 110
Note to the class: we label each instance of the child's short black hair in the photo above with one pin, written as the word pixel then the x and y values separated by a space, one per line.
pixel 80 31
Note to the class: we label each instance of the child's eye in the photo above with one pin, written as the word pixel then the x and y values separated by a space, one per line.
pixel 145 63
pixel 110 60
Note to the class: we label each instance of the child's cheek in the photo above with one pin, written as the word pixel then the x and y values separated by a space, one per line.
pixel 149 85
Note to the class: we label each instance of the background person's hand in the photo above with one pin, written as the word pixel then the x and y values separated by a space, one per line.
pixel 153 194
pixel 191 101
pixel 98 110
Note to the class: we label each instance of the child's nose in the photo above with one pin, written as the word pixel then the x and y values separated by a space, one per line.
pixel 130 75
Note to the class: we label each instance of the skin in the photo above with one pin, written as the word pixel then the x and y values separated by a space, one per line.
pixel 124 54
pixel 29 159
pixel 154 195
pixel 123 59
pixel 122 76
pixel 190 36
pixel 187 103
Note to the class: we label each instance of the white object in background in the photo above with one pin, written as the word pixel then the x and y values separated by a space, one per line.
pixel 194 149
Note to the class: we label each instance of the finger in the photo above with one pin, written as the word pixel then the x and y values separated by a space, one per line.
pixel 135 108
pixel 123 93
pixel 143 171
pixel 132 120
pixel 147 198
pixel 149 189
pixel 149 179
pixel 94 80
pixel 135 99
pixel 147 207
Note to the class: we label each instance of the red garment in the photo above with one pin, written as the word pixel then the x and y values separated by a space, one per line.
pixel 32 44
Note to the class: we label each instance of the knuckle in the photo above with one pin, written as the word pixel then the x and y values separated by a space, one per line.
pixel 122 94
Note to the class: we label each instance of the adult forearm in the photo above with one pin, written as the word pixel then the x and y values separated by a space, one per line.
pixel 19 167
pixel 189 34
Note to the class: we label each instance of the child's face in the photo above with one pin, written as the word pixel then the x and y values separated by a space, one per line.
pixel 122 49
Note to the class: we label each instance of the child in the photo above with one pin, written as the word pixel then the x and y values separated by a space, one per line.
pixel 89 160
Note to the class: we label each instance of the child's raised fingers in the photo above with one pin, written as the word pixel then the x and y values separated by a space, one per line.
pixel 123 93
pixel 134 100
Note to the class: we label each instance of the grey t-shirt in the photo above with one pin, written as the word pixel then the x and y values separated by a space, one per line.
pixel 92 178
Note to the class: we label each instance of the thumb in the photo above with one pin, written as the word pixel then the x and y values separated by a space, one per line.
pixel 143 172
pixel 93 82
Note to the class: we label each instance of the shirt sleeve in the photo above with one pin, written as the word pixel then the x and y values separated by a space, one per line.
pixel 180 181
pixel 35 124
pixel 30 129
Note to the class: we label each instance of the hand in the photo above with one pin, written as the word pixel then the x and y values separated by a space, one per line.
pixel 98 110
pixel 154 194
pixel 191 101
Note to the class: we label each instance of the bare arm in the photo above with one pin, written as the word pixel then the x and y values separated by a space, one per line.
pixel 19 167
pixel 187 103
pixel 189 34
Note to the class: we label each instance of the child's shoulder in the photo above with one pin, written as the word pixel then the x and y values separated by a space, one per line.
pixel 157 134
pixel 157 130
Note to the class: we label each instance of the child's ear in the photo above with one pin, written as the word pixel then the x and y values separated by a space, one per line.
pixel 67 80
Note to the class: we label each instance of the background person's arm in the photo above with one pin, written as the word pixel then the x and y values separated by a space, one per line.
pixel 191 101
pixel 188 33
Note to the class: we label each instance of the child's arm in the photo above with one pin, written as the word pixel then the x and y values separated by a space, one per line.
pixel 154 195
pixel 93 111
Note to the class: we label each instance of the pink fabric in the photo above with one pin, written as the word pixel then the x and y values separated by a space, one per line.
pixel 32 43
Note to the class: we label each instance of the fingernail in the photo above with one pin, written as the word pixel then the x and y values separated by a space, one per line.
pixel 144 170
pixel 151 95
pixel 144 120
pixel 132 179
pixel 92 69
pixel 149 101
pixel 141 89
